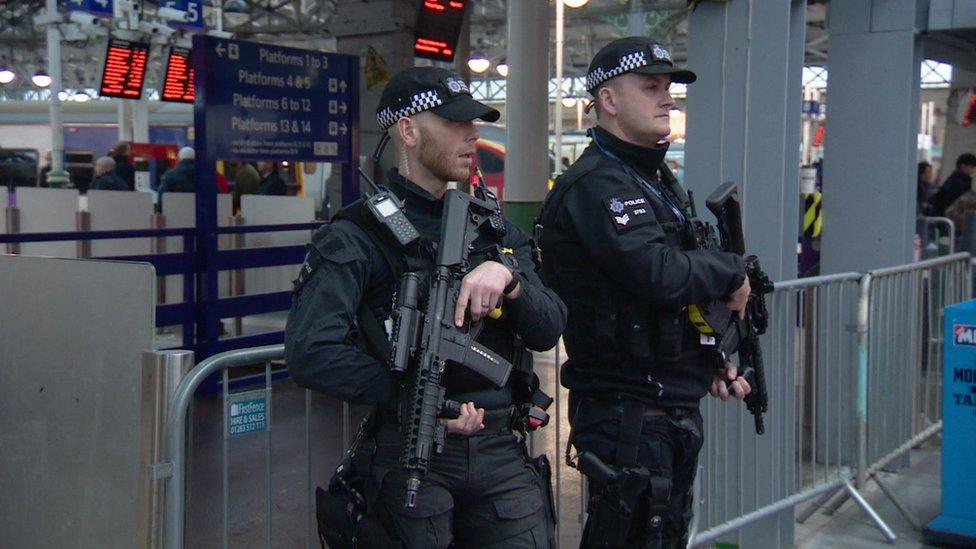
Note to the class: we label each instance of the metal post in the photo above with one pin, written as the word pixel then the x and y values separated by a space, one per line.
pixel 157 245
pixel 558 107
pixel 57 177
pixel 527 105
pixel 83 224
pixel 863 317
pixel 237 286
pixel 12 226
pixel 162 372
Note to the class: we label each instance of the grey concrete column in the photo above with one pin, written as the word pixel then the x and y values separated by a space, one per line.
pixel 527 111
pixel 959 139
pixel 872 125
pixel 744 126
pixel 387 26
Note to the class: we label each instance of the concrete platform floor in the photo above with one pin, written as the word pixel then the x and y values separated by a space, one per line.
pixel 918 487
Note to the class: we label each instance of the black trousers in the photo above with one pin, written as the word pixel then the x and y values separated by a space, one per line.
pixel 668 447
pixel 480 492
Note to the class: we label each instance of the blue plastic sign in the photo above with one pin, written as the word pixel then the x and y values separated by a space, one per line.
pixel 194 13
pixel 99 8
pixel 956 524
pixel 269 102
pixel 248 413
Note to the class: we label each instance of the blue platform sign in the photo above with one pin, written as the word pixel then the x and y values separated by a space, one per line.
pixel 194 12
pixel 956 524
pixel 99 8
pixel 268 102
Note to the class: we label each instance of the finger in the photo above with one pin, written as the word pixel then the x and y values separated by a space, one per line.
pixel 462 304
pixel 746 388
pixel 723 392
pixel 737 390
pixel 730 371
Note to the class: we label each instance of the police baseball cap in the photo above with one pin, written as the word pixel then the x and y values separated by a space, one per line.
pixel 633 54
pixel 420 89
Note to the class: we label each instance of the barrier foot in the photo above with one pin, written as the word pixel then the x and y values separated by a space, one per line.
pixel 829 510
pixel 809 511
pixel 888 534
pixel 898 504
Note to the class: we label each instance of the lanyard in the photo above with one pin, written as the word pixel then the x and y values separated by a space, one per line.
pixel 643 182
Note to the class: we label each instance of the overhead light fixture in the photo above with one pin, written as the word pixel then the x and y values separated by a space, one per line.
pixel 575 3
pixel 6 75
pixel 478 64
pixel 502 69
pixel 41 79
pixel 62 96
pixel 569 102
pixel 81 97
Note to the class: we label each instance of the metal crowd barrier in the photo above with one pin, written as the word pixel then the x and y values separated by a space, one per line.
pixel 900 363
pixel 809 445
pixel 838 346
pixel 938 236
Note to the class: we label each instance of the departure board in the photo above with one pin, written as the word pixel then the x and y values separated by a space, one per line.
pixel 178 82
pixel 124 70
pixel 438 28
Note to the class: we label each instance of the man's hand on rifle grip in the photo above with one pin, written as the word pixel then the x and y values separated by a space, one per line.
pixel 471 420
pixel 739 298
pixel 481 291
pixel 728 383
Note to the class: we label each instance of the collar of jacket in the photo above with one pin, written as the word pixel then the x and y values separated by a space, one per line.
pixel 645 160
pixel 412 194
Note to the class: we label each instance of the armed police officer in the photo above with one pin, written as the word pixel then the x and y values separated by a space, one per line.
pixel 620 246
pixel 478 490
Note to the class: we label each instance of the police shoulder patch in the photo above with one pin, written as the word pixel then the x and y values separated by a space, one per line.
pixel 627 211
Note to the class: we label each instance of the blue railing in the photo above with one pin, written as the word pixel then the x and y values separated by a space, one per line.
pixel 187 265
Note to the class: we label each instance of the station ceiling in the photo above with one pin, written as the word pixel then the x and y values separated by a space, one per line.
pixel 311 23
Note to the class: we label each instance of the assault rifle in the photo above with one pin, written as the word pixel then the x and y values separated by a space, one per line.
pixel 742 336
pixel 425 337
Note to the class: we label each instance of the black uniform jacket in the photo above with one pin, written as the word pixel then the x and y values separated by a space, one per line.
pixel 321 337
pixel 622 272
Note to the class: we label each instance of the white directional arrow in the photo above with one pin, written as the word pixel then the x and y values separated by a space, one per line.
pixel 342 128
pixel 342 86
pixel 342 107
pixel 220 49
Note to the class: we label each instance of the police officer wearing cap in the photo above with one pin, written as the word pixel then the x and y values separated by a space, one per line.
pixel 617 243
pixel 479 490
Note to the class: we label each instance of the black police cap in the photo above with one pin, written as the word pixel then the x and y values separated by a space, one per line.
pixel 633 54
pixel 420 89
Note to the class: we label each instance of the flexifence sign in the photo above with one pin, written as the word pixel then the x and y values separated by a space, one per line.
pixel 247 413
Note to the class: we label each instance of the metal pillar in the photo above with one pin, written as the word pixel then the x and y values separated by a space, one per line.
pixel 744 126
pixel 57 177
pixel 140 121
pixel 558 105
pixel 162 372
pixel 870 160
pixel 124 120
pixel 527 108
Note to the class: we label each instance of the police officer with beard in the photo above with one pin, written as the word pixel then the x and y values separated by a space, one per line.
pixel 479 491
pixel 619 246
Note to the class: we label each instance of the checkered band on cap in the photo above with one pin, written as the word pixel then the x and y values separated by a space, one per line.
pixel 419 102
pixel 628 62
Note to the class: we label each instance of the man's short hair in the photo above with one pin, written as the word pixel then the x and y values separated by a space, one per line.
pixel 104 165
pixel 187 153
pixel 966 159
